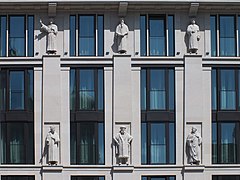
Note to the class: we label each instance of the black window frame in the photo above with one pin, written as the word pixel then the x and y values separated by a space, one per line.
pixel 94 117
pixel 76 34
pixel 87 177
pixel 25 116
pixel 156 176
pixel 221 116
pixel 145 41
pixel 19 177
pixel 166 116
pixel 225 177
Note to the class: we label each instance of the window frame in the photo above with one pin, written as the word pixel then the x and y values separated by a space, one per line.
pixel 166 116
pixel 146 38
pixel 76 33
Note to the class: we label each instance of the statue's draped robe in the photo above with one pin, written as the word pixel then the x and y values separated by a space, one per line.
pixel 122 35
pixel 123 148
pixel 193 37
pixel 53 141
pixel 193 142
pixel 52 31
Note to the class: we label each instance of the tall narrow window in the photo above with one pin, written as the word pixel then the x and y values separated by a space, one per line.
pixel 3 35
pixel 86 43
pixel 171 37
pixel 143 35
pixel 158 124
pixel 16 46
pixel 72 27
pixel 16 128
pixel 87 122
pixel 30 44
pixel 225 116
pixel 100 33
pixel 157 36
pixel 213 27
pixel 227 35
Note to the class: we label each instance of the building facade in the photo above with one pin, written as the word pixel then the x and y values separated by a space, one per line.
pixel 68 86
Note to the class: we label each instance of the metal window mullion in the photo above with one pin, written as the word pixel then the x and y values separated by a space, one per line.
pixel 218 35
pixel 26 35
pixel 166 35
pixel 25 91
pixel 96 34
pixel 95 71
pixel 96 159
pixel 77 35
pixel 77 79
pixel 7 34
pixel 219 132
pixel 147 35
pixel 167 124
pixel 148 128
pixel 237 36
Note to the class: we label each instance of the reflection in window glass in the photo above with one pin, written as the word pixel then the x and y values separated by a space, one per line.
pixel 100 89
pixel 157 90
pixel 17 178
pixel 144 142
pixel 72 29
pixel 100 30
pixel 226 177
pixel 171 48
pixel 86 35
pixel 171 89
pixel 213 26
pixel 143 89
pixel 227 90
pixel 143 35
pixel 3 35
pixel 16 90
pixel 86 90
pixel 3 90
pixel 228 143
pixel 172 142
pixel 214 89
pixel 72 89
pixel 214 143
pixel 87 178
pixel 30 90
pixel 30 36
pixel 158 178
pixel 227 35
pixel 158 143
pixel 157 36
pixel 87 143
pixel 16 43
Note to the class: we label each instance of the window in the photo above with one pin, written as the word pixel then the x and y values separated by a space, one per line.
pixel 225 118
pixel 158 178
pixel 87 178
pixel 87 116
pixel 90 35
pixel 17 178
pixel 158 117
pixel 18 27
pixel 16 112
pixel 160 30
pixel 226 177
pixel 227 35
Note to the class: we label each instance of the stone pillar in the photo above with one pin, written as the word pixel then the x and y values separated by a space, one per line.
pixel 65 116
pixel 193 111
pixel 108 95
pixel 38 123
pixel 123 108
pixel 52 97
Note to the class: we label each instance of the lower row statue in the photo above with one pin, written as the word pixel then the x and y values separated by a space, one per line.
pixel 123 141
pixel 52 142
pixel 193 144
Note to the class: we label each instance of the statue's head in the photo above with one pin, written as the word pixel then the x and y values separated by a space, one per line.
pixel 122 20
pixel 194 129
pixel 193 21
pixel 52 129
pixel 50 20
pixel 123 129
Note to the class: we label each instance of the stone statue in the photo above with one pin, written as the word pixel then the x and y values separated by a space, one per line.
pixel 194 141
pixel 52 31
pixel 52 142
pixel 193 37
pixel 122 35
pixel 123 141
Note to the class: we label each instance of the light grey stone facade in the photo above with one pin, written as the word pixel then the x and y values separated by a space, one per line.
pixel 122 84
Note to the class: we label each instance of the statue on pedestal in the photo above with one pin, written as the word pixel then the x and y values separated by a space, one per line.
pixel 123 141
pixel 122 35
pixel 52 142
pixel 193 37
pixel 52 31
pixel 194 142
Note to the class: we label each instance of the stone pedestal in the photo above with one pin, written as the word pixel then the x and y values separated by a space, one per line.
pixel 52 172
pixel 123 172
pixel 194 172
